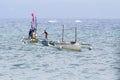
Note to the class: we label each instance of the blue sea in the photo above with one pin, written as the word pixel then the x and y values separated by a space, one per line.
pixel 33 61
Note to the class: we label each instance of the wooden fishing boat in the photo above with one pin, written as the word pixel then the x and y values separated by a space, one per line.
pixel 32 38
pixel 33 30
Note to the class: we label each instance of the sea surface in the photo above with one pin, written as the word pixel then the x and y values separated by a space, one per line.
pixel 33 61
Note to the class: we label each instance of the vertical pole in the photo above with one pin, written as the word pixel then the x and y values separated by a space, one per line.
pixel 75 34
pixel 36 22
pixel 63 33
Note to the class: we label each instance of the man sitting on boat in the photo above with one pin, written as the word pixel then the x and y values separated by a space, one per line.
pixel 31 32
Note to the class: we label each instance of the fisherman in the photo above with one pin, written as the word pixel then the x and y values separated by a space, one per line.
pixel 32 33
pixel 46 34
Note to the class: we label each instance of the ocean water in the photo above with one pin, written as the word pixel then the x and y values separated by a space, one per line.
pixel 33 61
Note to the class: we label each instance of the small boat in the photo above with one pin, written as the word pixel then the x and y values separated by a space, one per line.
pixel 78 21
pixel 32 38
pixel 33 30
pixel 52 21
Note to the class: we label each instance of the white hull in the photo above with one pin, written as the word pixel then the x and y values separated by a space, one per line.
pixel 72 47
pixel 69 46
pixel 65 45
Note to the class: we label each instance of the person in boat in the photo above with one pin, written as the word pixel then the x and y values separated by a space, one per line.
pixel 32 34
pixel 46 34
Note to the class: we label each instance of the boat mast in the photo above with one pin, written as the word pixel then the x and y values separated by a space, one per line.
pixel 75 34
pixel 63 33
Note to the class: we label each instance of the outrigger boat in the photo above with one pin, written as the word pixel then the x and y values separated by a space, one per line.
pixel 70 45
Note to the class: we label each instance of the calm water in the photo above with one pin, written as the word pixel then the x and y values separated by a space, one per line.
pixel 36 62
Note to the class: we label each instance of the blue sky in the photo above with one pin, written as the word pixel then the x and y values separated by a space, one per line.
pixel 78 9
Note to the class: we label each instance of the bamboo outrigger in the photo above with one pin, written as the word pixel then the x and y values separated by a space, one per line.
pixel 70 45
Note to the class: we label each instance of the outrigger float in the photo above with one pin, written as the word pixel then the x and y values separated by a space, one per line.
pixel 69 45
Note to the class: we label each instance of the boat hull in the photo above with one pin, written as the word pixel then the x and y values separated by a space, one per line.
pixel 33 40
pixel 68 46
